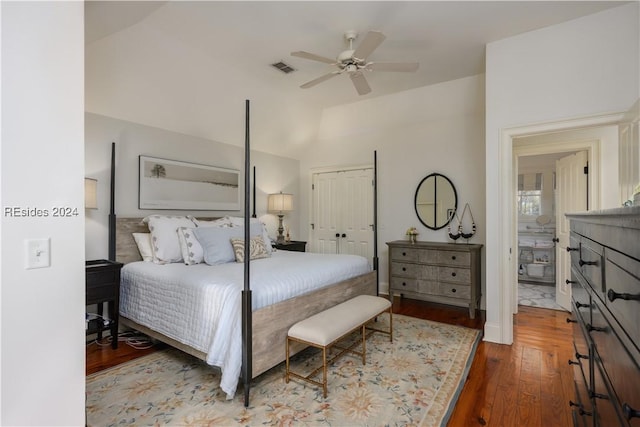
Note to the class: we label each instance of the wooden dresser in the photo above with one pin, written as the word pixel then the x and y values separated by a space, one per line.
pixel 605 282
pixel 446 273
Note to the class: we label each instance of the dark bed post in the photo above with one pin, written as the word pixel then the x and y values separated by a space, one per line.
pixel 253 186
pixel 246 292
pixel 112 209
pixel 375 220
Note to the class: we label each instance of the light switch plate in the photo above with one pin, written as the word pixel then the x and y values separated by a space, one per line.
pixel 37 253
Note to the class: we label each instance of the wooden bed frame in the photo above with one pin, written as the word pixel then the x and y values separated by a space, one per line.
pixel 268 326
pixel 271 323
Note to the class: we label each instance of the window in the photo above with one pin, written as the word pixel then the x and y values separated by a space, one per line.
pixel 530 194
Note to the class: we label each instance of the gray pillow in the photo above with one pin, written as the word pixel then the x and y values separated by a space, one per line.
pixel 216 241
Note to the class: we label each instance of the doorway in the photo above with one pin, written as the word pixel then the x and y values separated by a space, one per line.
pixel 549 185
pixel 550 148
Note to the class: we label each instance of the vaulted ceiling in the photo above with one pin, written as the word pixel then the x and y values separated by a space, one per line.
pixel 188 66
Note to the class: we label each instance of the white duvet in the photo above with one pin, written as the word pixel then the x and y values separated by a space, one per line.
pixel 200 305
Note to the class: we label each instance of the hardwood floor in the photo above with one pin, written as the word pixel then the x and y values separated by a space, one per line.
pixel 528 383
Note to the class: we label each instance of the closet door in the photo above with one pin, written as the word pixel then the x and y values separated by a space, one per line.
pixel 343 212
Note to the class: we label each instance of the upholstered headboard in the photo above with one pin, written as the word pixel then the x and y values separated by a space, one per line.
pixel 126 248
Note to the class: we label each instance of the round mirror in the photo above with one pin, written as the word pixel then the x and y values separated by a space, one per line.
pixel 436 201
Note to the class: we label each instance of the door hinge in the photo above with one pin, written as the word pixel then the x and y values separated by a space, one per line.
pixel 586 170
pixel 313 187
pixel 313 226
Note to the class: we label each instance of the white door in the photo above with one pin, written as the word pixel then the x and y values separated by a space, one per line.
pixel 342 212
pixel 571 196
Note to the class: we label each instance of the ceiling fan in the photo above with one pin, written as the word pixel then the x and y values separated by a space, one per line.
pixel 354 62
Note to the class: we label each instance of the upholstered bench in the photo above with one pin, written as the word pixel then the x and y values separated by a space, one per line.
pixel 325 329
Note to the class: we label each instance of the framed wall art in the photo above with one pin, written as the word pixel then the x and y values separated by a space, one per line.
pixel 172 184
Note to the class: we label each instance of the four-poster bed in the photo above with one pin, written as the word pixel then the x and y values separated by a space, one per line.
pixel 264 329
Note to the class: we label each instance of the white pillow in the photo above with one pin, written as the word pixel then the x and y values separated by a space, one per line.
pixel 216 242
pixel 190 247
pixel 164 237
pixel 143 241
pixel 237 221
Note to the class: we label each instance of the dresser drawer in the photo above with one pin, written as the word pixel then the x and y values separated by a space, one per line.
pixel 623 281
pixel 591 264
pixel 582 412
pixel 404 254
pixel 618 365
pixel 402 284
pixel 454 258
pixel 405 270
pixel 455 291
pixel 581 296
pixel 454 275
pixel 606 407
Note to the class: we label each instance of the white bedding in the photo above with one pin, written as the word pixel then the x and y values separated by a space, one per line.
pixel 200 305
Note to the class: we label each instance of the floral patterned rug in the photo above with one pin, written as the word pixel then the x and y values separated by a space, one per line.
pixel 413 381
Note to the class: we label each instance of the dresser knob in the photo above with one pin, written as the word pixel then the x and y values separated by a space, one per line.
pixel 613 295
pixel 573 362
pixel 404 268
pixel 569 282
pixel 571 249
pixel 580 305
pixel 404 284
pixel 583 262
pixel 453 257
pixel 404 254
pixel 453 290
pixel 453 274
pixel 629 412
pixel 571 320
pixel 581 356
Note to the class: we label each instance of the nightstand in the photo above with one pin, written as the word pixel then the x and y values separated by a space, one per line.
pixel 102 285
pixel 294 245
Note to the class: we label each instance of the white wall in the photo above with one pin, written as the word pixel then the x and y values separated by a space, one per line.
pixel 439 128
pixel 581 68
pixel 273 173
pixel 43 353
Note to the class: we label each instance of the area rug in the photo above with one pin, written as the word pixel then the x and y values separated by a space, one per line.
pixel 415 380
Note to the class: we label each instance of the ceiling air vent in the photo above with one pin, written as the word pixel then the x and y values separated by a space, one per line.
pixel 285 68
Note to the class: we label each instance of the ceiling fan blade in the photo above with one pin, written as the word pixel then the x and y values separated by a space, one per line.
pixel 320 79
pixel 371 41
pixel 360 82
pixel 392 66
pixel 313 57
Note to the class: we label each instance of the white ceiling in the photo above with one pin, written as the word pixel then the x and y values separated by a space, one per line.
pixel 184 65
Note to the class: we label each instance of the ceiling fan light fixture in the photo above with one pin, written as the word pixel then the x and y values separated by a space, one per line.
pixel 354 61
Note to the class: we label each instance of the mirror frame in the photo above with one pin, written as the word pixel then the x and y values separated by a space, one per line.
pixel 436 226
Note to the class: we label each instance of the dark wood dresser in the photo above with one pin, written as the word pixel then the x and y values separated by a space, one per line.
pixel 445 273
pixel 605 281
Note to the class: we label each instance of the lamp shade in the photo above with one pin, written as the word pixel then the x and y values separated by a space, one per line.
pixel 90 193
pixel 280 202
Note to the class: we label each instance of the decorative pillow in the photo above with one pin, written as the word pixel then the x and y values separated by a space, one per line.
pixel 143 241
pixel 216 242
pixel 190 247
pixel 257 248
pixel 220 222
pixel 237 221
pixel 164 237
